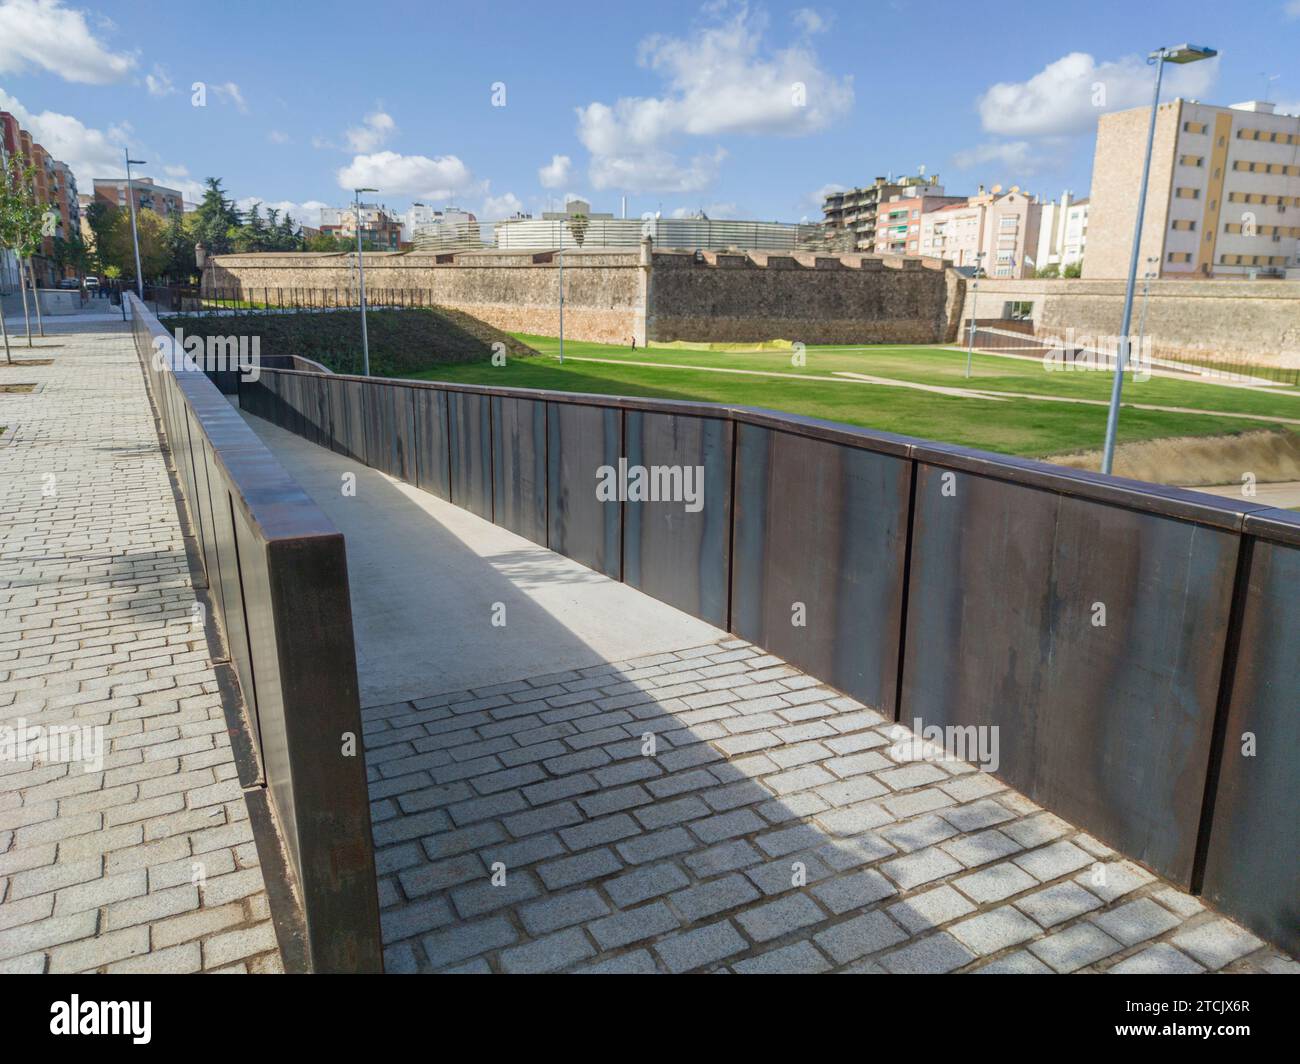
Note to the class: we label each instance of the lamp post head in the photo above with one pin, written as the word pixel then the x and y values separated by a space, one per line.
pixel 1184 53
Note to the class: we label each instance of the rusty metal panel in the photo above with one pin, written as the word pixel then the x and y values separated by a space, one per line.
pixel 519 466
pixel 432 453
pixel 820 538
pixel 469 418
pixel 1252 869
pixel 377 412
pixel 580 440
pixel 678 550
pixel 1107 724
pixel 346 416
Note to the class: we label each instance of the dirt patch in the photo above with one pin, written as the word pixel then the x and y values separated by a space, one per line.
pixel 17 389
pixel 22 363
pixel 1199 461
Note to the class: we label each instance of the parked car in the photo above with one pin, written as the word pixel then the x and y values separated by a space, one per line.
pixel 69 282
pixel 92 282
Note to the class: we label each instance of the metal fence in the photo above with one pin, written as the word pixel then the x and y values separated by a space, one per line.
pixel 941 585
pixel 276 573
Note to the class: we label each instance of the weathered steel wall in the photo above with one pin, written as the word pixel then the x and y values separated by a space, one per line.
pixel 277 573
pixel 1111 631
pixel 1251 866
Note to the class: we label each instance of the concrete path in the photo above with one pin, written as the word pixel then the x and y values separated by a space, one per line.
pixel 715 809
pixel 428 579
pixel 142 859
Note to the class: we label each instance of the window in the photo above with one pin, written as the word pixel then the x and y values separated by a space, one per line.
pixel 1190 160
pixel 1185 224
pixel 1194 127
pixel 1180 256
pixel 1188 193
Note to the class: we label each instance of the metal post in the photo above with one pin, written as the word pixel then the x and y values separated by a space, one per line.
pixel 560 256
pixel 1121 361
pixel 970 345
pixel 1146 299
pixel 135 236
pixel 361 286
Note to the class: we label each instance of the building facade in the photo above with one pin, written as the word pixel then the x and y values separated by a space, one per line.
pixel 148 195
pixel 1223 198
pixel 380 229
pixel 1062 232
pixel 853 211
pixel 898 219
pixel 994 231
pixel 55 188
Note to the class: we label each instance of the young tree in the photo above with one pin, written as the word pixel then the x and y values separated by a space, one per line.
pixel 216 219
pixel 22 227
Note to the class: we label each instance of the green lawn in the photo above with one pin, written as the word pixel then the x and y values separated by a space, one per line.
pixel 1011 426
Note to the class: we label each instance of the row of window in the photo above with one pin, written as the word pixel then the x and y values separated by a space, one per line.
pixel 1269 136
pixel 1253 260
pixel 1265 199
pixel 1264 230
pixel 1266 168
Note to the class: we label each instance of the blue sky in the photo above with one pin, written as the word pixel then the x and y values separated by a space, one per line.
pixel 676 105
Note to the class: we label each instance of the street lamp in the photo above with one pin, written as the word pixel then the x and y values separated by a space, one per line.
pixel 1151 272
pixel 135 236
pixel 361 280
pixel 1183 53
pixel 974 298
pixel 560 258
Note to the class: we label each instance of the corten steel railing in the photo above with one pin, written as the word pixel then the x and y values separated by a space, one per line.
pixel 1126 638
pixel 276 571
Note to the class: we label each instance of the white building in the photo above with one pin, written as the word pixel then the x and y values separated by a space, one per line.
pixel 1062 232
pixel 995 231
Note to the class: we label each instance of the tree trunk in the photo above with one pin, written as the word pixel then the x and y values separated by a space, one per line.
pixel 36 297
pixel 22 288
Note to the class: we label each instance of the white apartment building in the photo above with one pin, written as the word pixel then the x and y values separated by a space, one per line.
pixel 1062 232
pixel 1223 198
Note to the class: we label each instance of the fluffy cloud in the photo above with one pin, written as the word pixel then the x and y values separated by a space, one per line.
pixel 810 21
pixel 307 213
pixel 373 133
pixel 45 35
pixel 555 174
pixel 228 92
pixel 159 83
pixel 496 207
pixel 1067 95
pixel 412 175
pixel 1015 155
pixel 90 152
pixel 719 81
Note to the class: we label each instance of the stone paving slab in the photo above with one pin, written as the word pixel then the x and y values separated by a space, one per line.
pixel 146 862
pixel 607 820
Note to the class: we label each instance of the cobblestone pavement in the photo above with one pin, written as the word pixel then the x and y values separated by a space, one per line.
pixel 776 827
pixel 146 863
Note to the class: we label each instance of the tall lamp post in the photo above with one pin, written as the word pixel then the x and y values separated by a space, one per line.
pixel 1183 53
pixel 361 284
pixel 135 236
pixel 974 298
pixel 1147 277
pixel 560 256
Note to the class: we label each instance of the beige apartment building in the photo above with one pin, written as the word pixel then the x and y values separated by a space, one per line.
pixel 996 231
pixel 1223 198
pixel 854 210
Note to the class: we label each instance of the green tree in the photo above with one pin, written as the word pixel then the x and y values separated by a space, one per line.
pixel 216 221
pixel 1075 269
pixel 22 226
pixel 179 240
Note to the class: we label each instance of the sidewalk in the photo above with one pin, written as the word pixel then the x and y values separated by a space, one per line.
pixel 146 862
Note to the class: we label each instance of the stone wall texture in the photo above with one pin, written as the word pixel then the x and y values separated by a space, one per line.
pixel 613 296
pixel 1256 322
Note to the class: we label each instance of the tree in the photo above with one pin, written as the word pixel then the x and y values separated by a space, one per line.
pixel 1050 270
pixel 179 240
pixel 1075 269
pixel 102 219
pixel 22 226
pixel 70 253
pixel 216 221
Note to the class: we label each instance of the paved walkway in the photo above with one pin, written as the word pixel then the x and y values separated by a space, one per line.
pixel 611 785
pixel 146 861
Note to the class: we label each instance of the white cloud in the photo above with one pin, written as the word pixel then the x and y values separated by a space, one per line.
pixel 496 207
pixel 810 21
pixel 555 174
pixel 159 83
pixel 277 136
pixel 307 213
pixel 1292 9
pixel 1068 95
pixel 91 153
pixel 373 133
pixel 413 175
pixel 229 92
pixel 45 35
pixel 1288 107
pixel 719 81
pixel 818 196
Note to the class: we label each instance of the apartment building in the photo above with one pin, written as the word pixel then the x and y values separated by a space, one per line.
pixel 147 193
pixel 55 187
pixel 898 219
pixel 995 231
pixel 379 227
pixel 854 210
pixel 1223 198
pixel 1062 232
